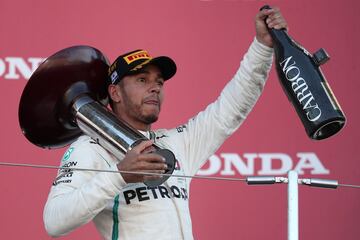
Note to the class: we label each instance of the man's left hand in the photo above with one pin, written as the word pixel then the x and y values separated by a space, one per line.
pixel 274 19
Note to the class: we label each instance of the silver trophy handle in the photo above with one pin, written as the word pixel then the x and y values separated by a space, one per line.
pixel 114 135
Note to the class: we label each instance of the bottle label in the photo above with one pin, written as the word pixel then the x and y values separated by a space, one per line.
pixel 301 89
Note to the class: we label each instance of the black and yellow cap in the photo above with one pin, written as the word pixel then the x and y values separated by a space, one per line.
pixel 132 62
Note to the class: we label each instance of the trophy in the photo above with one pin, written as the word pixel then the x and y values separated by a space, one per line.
pixel 66 97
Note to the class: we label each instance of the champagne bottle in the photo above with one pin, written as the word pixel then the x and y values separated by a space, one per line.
pixel 304 84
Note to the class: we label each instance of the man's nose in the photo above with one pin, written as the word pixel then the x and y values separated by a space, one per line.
pixel 155 87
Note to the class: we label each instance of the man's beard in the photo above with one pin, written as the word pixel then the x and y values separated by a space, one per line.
pixel 134 110
pixel 149 119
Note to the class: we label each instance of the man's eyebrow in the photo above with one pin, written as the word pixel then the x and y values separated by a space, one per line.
pixel 147 72
pixel 142 71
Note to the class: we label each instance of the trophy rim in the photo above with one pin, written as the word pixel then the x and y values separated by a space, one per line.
pixel 45 116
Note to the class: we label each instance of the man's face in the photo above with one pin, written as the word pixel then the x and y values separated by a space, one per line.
pixel 141 96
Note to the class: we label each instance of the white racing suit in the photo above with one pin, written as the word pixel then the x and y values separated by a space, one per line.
pixel 134 211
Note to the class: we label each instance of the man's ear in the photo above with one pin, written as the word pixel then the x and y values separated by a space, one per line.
pixel 114 93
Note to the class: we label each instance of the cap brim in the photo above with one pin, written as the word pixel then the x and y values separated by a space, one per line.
pixel 166 65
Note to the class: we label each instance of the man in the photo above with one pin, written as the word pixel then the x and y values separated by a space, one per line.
pixel 121 205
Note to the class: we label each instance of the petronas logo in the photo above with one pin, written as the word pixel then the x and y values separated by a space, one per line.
pixel 68 153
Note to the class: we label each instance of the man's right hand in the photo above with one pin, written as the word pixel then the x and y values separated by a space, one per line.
pixel 142 159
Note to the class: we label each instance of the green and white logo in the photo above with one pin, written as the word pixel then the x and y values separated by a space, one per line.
pixel 67 154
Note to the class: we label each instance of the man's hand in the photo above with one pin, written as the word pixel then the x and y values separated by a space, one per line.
pixel 142 159
pixel 274 19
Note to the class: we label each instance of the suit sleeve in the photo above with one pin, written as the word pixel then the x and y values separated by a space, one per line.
pixel 76 197
pixel 208 130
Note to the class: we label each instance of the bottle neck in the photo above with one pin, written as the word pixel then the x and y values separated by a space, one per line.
pixel 281 39
pixel 280 36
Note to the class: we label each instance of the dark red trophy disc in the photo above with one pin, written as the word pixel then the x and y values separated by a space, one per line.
pixel 45 105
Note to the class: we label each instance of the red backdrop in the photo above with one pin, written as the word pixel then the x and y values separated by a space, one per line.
pixel 207 39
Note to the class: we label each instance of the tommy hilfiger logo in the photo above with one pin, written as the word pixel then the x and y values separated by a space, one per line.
pixel 114 77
